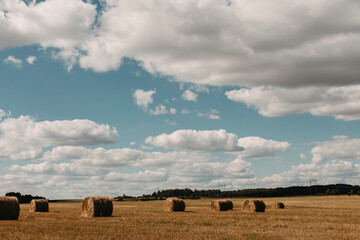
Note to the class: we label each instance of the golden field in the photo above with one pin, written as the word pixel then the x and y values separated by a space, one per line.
pixel 320 217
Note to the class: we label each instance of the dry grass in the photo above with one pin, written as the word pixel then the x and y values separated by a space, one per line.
pixel 335 217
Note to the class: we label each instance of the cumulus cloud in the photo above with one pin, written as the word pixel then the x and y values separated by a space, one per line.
pixel 4 114
pixel 49 23
pixel 184 169
pixel 340 102
pixel 161 109
pixel 339 148
pixel 24 138
pixel 217 140
pixel 284 51
pixel 13 61
pixel 245 43
pixel 189 96
pixel 185 111
pixel 212 114
pixel 30 59
pixel 142 176
pixel 256 147
pixel 329 173
pixel 143 98
pixel 171 123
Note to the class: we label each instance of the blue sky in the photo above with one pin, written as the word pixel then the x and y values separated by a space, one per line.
pixel 158 95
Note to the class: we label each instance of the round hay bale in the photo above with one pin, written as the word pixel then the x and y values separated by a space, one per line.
pixel 39 205
pixel 97 207
pixel 174 205
pixel 9 208
pixel 254 206
pixel 229 204
pixel 278 205
pixel 219 205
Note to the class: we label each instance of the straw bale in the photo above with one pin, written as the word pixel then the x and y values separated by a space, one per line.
pixel 254 206
pixel 278 205
pixel 9 208
pixel 219 205
pixel 39 205
pixel 229 204
pixel 174 205
pixel 97 207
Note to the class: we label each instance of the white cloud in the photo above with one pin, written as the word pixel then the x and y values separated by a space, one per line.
pixel 189 96
pixel 194 87
pixel 143 98
pixel 161 109
pixel 172 110
pixel 217 140
pixel 30 59
pixel 185 111
pixel 246 43
pixel 171 123
pixel 142 176
pixel 4 114
pixel 256 147
pixel 339 148
pixel 13 61
pixel 185 169
pixel 330 173
pixel 340 102
pixel 132 143
pixel 24 138
pixel 212 114
pixel 49 23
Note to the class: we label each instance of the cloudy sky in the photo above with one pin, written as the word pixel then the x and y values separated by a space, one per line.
pixel 117 97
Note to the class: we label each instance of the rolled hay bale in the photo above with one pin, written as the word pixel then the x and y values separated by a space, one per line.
pixel 9 208
pixel 96 207
pixel 229 204
pixel 39 205
pixel 174 205
pixel 219 205
pixel 254 206
pixel 278 205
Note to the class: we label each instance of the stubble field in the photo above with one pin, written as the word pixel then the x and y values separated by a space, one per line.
pixel 335 217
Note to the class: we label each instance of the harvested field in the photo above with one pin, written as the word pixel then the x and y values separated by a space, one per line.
pixel 330 217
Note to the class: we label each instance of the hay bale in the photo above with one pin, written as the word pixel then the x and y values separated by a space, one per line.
pixel 174 205
pixel 254 206
pixel 278 205
pixel 229 204
pixel 97 207
pixel 219 205
pixel 39 205
pixel 9 208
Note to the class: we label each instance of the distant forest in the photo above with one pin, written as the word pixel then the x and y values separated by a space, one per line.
pixel 23 198
pixel 333 189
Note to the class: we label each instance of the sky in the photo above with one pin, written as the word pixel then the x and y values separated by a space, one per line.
pixel 118 97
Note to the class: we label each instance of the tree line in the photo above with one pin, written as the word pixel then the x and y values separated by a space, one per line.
pixel 23 198
pixel 332 189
